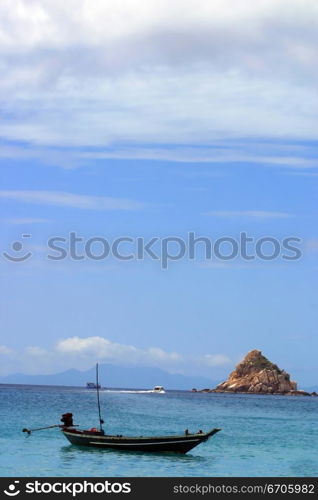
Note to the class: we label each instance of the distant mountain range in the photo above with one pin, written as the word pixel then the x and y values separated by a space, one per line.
pixel 115 376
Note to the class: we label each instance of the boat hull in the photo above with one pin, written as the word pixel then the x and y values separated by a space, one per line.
pixel 174 444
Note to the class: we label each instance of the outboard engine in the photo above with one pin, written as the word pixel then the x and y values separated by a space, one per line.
pixel 67 419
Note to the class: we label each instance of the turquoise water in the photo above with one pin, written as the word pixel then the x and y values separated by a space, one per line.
pixel 261 436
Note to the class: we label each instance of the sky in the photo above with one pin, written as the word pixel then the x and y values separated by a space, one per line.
pixel 142 120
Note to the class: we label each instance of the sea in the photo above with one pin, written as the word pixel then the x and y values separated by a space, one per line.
pixel 261 435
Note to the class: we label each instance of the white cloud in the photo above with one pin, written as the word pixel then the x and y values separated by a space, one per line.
pixel 82 73
pixel 35 351
pixel 289 155
pixel 220 153
pixel 101 348
pixel 5 350
pixel 258 214
pixel 72 200
pixel 82 353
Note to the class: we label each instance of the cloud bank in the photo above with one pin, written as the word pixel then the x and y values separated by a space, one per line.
pixel 82 353
pixel 104 75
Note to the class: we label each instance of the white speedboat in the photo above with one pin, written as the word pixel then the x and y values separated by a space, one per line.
pixel 158 389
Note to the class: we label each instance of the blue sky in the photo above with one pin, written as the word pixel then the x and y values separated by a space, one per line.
pixel 200 119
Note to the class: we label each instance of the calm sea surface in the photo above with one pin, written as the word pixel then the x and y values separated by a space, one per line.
pixel 261 436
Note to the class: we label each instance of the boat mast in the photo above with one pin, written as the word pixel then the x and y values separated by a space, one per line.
pixel 101 421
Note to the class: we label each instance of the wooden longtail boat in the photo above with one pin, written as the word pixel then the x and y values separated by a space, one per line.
pixel 177 444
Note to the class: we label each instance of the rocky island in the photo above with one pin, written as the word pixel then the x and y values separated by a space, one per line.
pixel 257 375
